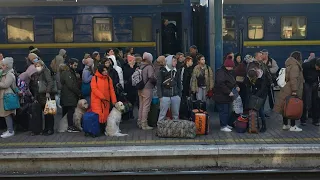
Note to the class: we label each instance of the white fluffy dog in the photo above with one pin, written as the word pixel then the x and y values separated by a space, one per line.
pixel 113 122
pixel 77 116
pixel 78 113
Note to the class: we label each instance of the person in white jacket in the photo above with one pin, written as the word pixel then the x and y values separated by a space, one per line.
pixel 118 69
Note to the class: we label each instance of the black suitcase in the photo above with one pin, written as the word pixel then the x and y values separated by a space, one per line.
pixel 35 124
pixel 23 117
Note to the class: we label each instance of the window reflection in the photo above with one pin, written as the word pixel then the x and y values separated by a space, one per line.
pixel 293 27
pixel 255 28
pixel 102 29
pixel 142 29
pixel 228 29
pixel 63 30
pixel 20 30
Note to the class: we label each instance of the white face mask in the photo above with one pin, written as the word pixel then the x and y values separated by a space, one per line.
pixel 39 69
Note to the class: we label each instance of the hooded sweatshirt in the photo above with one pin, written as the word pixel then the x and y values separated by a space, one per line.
pixel 88 71
pixel 169 84
pixel 148 74
pixel 59 59
pixel 118 69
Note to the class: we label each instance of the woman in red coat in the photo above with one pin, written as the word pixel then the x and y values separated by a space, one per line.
pixel 102 94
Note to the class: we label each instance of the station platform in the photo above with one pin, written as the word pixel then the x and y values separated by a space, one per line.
pixel 273 135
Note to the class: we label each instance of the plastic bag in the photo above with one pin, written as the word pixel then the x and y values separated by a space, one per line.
pixel 51 107
pixel 237 105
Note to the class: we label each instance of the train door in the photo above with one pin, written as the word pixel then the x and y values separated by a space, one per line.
pixel 199 24
pixel 171 33
pixel 230 35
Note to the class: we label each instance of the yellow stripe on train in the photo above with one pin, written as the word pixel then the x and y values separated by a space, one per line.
pixel 79 45
pixel 283 43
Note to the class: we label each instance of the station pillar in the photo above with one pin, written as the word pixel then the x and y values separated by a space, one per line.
pixel 215 15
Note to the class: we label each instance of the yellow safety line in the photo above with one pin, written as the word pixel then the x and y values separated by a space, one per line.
pixel 162 141
pixel 283 43
pixel 79 45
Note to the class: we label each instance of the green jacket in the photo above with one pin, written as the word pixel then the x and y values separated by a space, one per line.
pixel 70 91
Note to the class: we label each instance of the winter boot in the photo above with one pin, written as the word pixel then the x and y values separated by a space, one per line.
pixel 145 126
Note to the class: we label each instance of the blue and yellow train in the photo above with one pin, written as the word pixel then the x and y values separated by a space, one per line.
pixel 79 26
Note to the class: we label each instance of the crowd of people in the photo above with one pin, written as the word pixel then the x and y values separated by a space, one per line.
pixel 170 78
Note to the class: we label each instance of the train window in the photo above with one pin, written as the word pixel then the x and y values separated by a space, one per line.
pixel 102 29
pixel 63 30
pixel 228 27
pixel 20 30
pixel 255 28
pixel 142 29
pixel 293 27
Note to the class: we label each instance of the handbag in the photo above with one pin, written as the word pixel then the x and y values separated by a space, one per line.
pixel 50 107
pixel 11 101
pixel 293 108
pixel 255 102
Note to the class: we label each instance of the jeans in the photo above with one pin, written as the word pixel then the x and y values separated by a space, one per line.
pixel 9 123
pixel 202 93
pixel 69 110
pixel 166 103
pixel 292 122
pixel 271 97
pixel 224 113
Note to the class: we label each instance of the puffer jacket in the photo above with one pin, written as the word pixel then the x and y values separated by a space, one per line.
pixel 102 94
pixel 224 84
pixel 70 91
pixel 175 90
pixel 45 76
pixel 118 69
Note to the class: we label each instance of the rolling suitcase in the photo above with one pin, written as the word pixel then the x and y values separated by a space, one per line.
pixel 253 122
pixel 201 120
pixel 35 123
pixel 241 124
pixel 90 124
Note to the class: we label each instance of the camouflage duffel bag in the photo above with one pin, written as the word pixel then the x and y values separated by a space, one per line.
pixel 176 129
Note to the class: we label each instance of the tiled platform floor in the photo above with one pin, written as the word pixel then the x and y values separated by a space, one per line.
pixel 274 135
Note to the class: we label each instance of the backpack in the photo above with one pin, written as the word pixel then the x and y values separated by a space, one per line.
pixel 137 79
pixel 281 80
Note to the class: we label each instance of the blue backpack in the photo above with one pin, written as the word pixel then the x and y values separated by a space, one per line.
pixel 90 124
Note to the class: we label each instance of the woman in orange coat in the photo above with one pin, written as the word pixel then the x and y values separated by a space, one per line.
pixel 102 93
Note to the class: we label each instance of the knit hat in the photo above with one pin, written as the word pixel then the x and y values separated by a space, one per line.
pixel 130 58
pixel 89 61
pixel 228 62
pixel 8 61
pixel 147 56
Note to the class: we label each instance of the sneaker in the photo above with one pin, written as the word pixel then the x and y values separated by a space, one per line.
pixel 230 127
pixel 72 129
pixel 286 127
pixel 7 134
pixel 225 129
pixel 295 129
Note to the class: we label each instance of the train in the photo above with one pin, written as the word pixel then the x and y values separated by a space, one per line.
pixel 84 26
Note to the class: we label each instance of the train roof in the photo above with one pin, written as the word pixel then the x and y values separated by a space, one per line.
pixel 271 1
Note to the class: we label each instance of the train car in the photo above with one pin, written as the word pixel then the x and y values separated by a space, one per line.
pixel 280 26
pixel 81 26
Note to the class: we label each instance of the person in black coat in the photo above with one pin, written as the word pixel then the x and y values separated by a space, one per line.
pixel 132 93
pixel 225 86
pixel 311 74
pixel 257 84
pixel 186 74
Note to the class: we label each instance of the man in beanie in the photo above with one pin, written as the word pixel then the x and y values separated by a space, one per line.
pixel 7 85
pixel 169 89
pixel 225 83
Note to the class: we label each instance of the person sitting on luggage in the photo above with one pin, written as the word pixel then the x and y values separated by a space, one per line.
pixel 293 87
pixel 169 89
pixel 256 84
pixel 202 80
pixel 225 83
pixel 102 95
pixel 45 92
pixel 70 92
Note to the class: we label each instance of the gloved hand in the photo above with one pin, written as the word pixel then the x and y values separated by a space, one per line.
pixel 47 95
